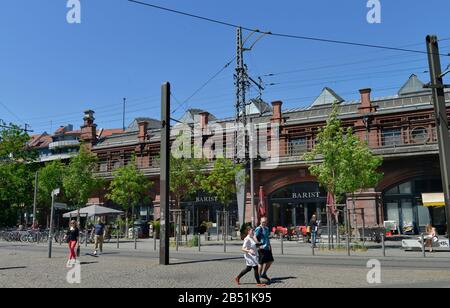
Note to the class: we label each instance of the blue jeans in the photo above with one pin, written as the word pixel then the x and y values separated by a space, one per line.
pixel 313 238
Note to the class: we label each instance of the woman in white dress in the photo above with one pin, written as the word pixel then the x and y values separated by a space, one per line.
pixel 251 258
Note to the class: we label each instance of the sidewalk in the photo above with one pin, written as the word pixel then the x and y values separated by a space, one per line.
pixel 287 248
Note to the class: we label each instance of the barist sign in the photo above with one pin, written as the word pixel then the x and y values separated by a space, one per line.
pixel 206 199
pixel 306 195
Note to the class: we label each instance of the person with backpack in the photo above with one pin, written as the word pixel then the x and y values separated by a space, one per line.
pixel 261 238
pixel 99 236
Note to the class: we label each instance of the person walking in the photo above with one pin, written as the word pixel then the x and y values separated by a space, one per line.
pixel 73 239
pixel 251 258
pixel 261 238
pixel 99 236
pixel 430 237
pixel 313 225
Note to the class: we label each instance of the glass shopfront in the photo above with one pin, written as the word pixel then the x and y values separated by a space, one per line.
pixel 204 208
pixel 403 205
pixel 295 204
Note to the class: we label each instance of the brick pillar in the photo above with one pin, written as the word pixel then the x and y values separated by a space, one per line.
pixel 369 200
pixel 363 128
pixel 277 118
pixel 89 130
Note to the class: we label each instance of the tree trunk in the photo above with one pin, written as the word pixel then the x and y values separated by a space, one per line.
pixel 132 222
pixel 354 214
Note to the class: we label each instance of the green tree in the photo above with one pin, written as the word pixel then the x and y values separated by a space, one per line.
pixel 16 173
pixel 186 172
pixel 79 181
pixel 221 181
pixel 50 177
pixel 129 187
pixel 341 162
pixel 360 167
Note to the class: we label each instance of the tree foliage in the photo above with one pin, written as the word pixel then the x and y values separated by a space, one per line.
pixel 129 186
pixel 50 177
pixel 221 181
pixel 341 162
pixel 79 181
pixel 16 173
pixel 187 173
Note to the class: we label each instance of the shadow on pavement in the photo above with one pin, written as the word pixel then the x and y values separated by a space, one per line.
pixel 280 279
pixel 204 261
pixel 87 263
pixel 11 268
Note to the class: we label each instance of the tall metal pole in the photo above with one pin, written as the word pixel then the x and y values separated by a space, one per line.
pixel 50 233
pixel 123 114
pixel 241 137
pixel 35 198
pixel 252 177
pixel 438 90
pixel 165 174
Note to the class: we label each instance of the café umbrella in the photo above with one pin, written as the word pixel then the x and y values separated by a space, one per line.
pixel 435 199
pixel 93 211
pixel 262 203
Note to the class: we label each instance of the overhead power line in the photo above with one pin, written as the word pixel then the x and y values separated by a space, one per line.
pixel 292 36
pixel 204 85
pixel 12 113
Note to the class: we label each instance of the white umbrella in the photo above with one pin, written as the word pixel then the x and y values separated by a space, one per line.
pixel 93 210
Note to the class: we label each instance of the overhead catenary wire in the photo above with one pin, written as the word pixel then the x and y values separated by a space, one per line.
pixel 203 85
pixel 283 35
pixel 12 113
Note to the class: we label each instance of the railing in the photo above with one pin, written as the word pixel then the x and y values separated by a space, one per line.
pixel 105 165
pixel 63 144
pixel 407 140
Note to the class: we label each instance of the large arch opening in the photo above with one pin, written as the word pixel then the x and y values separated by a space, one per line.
pixel 403 205
pixel 294 205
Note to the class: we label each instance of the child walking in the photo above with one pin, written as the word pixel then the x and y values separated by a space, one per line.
pixel 251 258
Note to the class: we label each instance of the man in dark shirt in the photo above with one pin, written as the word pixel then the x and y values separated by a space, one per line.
pixel 99 230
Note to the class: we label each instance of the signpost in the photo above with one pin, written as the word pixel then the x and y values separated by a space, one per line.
pixel 50 234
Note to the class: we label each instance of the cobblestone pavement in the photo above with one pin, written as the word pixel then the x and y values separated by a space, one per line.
pixel 27 265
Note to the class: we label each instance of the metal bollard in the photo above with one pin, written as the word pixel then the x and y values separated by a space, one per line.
pixel 135 242
pixel 154 240
pixel 199 244
pixel 118 237
pixel 423 244
pixel 282 247
pixel 313 251
pixel 383 245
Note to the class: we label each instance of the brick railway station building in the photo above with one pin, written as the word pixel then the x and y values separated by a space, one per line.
pixel 399 128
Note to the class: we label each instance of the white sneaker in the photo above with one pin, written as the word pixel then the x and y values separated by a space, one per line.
pixel 70 263
pixel 95 252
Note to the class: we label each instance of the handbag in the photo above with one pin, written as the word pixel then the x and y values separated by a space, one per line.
pixel 78 251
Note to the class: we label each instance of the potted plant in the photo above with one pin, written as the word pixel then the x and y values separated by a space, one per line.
pixel 156 227
pixel 204 228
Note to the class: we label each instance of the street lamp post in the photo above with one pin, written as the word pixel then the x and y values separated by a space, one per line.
pixel 50 234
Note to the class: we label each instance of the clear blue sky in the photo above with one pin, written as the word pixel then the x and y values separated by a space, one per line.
pixel 51 70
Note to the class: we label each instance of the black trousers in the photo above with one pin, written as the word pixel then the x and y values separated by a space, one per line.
pixel 248 269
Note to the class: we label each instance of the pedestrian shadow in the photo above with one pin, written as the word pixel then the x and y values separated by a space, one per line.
pixel 205 261
pixel 88 263
pixel 280 279
pixel 12 268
